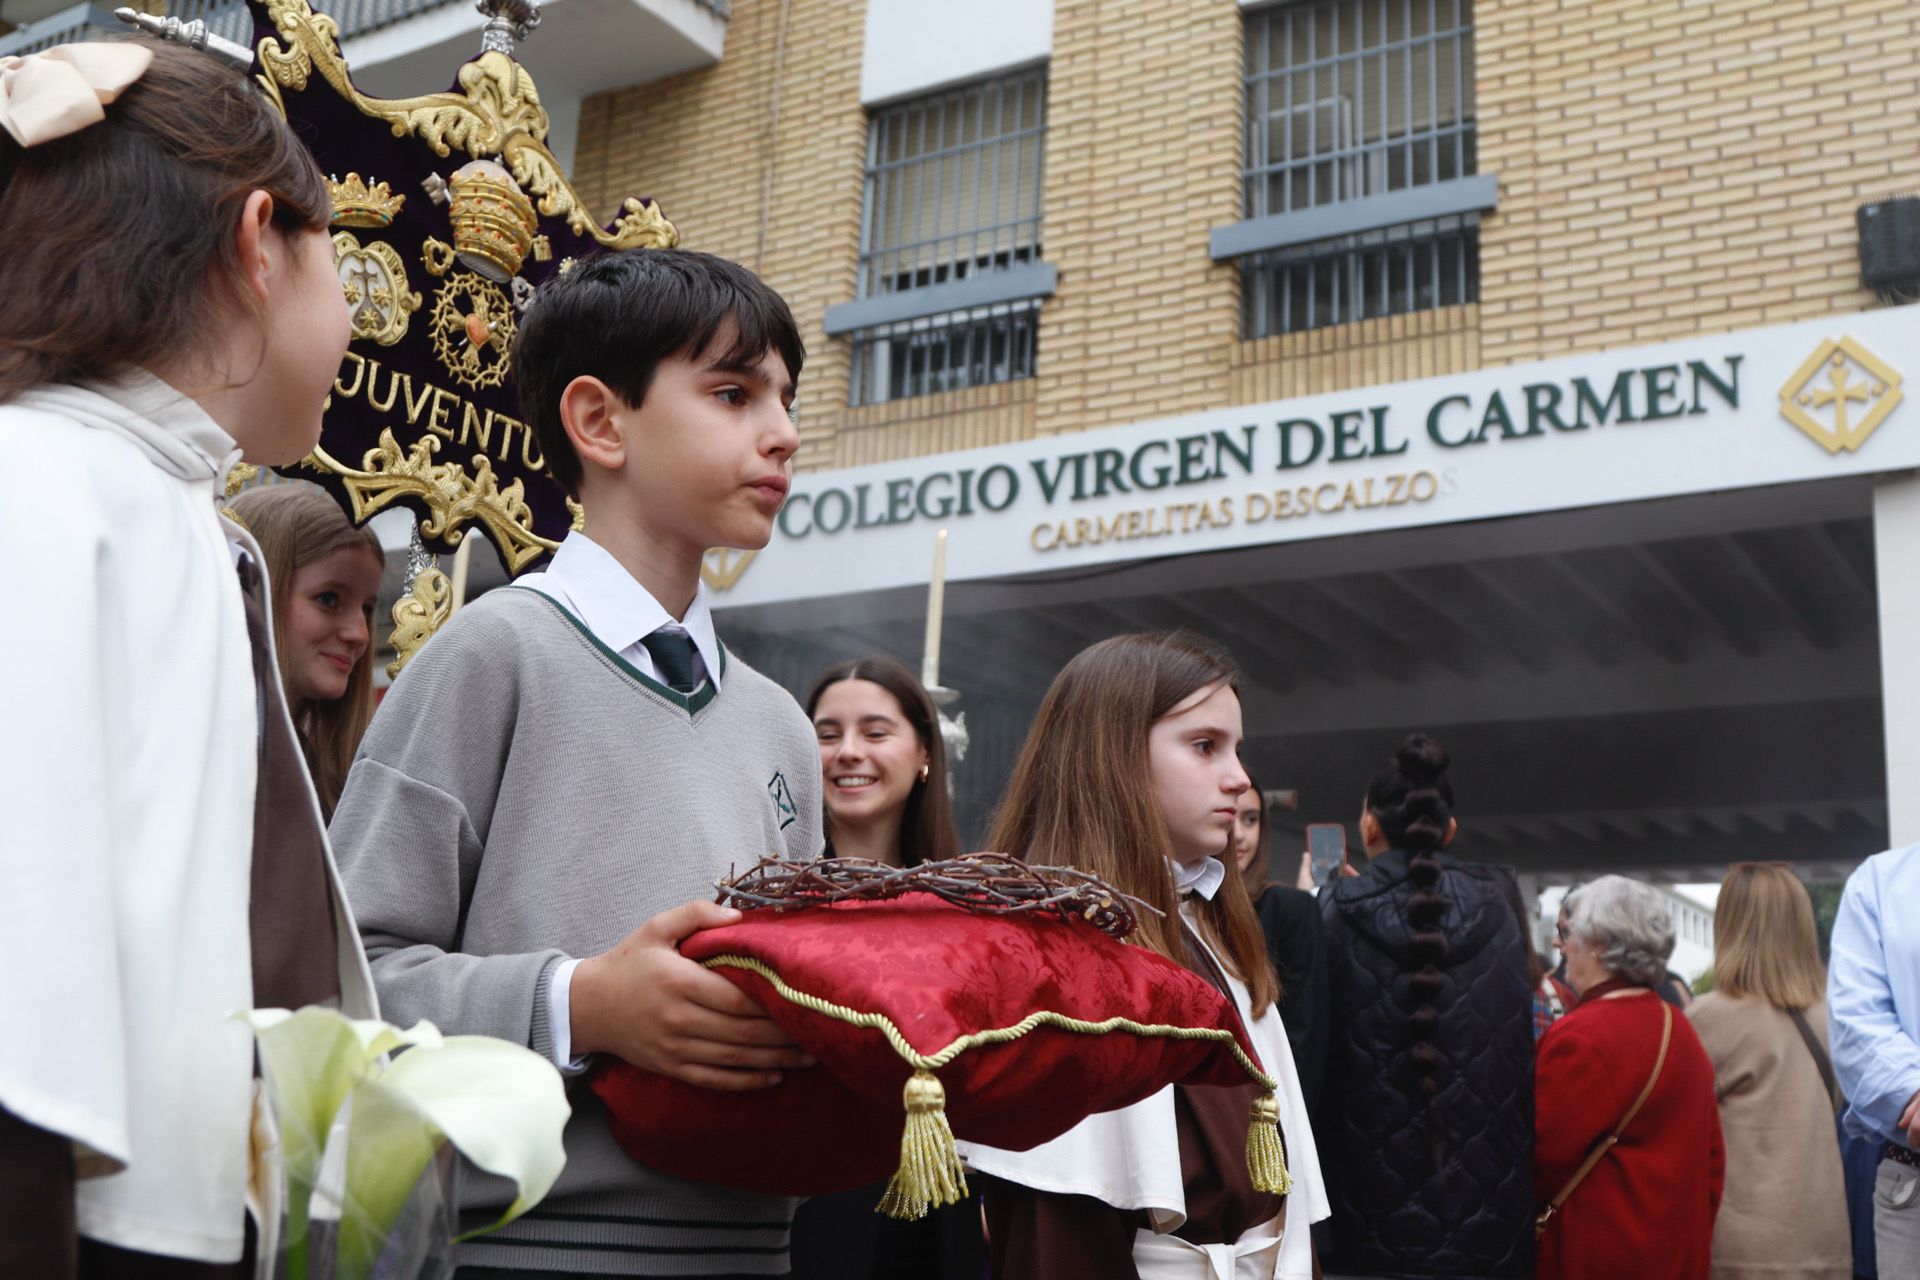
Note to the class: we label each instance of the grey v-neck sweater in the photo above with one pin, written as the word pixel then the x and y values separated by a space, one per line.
pixel 524 796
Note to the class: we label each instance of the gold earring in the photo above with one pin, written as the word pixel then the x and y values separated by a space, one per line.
pixel 925 769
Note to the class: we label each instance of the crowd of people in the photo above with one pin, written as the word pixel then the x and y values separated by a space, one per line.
pixel 536 814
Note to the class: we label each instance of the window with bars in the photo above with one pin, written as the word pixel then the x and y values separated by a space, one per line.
pixel 1359 174
pixel 1387 272
pixel 950 268
pixel 945 353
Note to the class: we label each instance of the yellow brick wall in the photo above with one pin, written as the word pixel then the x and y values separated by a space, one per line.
pixel 1671 169
pixel 758 158
pixel 1143 160
pixel 1666 169
pixel 972 418
pixel 1425 344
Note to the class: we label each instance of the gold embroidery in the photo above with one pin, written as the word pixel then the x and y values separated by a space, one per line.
pixel 355 204
pixel 451 495
pixel 493 223
pixel 375 282
pixel 238 477
pixel 472 340
pixel 495 112
pixel 437 255
pixel 418 614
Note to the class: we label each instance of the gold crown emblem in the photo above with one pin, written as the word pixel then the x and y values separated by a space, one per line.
pixel 355 204
pixel 493 221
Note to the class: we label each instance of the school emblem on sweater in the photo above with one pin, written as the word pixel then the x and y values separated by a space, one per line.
pixel 783 806
pixel 1840 395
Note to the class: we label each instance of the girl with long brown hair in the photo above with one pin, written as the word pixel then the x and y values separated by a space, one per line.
pixel 1132 771
pixel 168 305
pixel 326 581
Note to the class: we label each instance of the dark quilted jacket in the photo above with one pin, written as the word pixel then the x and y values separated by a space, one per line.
pixel 1393 1213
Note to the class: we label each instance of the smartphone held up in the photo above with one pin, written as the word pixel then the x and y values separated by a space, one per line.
pixel 1326 850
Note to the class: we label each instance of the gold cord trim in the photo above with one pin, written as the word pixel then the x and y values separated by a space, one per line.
pixel 998 1035
pixel 930 1173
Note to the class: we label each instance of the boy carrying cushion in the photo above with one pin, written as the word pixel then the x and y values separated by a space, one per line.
pixel 540 808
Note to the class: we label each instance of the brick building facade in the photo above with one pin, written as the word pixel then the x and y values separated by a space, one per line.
pixel 1663 169
pixel 1275 353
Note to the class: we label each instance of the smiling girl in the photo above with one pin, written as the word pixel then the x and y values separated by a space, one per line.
pixel 883 763
pixel 326 581
pixel 884 766
pixel 1132 771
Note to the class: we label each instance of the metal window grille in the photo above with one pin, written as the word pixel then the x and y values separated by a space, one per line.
pixel 1415 267
pixel 944 353
pixel 1346 99
pixel 952 191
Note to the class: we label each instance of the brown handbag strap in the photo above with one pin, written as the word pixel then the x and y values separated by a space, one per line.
pixel 1607 1144
pixel 1820 1059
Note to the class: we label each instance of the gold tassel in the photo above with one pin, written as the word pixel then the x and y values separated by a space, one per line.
pixel 1265 1160
pixel 930 1174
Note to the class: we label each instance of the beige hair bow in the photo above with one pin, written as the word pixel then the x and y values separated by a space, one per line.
pixel 49 95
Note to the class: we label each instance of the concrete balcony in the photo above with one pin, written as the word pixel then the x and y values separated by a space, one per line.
pixel 398 48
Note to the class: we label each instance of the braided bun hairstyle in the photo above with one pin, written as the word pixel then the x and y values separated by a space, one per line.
pixel 1412 800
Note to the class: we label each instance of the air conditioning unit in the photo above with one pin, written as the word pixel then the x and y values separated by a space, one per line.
pixel 1890 248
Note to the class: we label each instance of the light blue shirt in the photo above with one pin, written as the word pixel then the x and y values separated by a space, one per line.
pixel 1873 992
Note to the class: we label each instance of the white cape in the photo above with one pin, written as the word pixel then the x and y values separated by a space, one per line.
pixel 1130 1159
pixel 126 813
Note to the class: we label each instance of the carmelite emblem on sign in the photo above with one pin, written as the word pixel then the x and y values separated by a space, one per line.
pixel 722 567
pixel 1840 395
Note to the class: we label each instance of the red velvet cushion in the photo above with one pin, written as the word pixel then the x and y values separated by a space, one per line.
pixel 938 973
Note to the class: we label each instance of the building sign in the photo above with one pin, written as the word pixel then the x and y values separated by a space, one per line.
pixel 1619 426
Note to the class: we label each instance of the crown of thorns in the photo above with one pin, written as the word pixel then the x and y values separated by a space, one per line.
pixel 987 883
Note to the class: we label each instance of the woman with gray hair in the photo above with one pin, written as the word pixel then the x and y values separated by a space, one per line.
pixel 1628 1157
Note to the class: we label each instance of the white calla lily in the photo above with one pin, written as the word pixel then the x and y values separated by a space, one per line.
pixel 311 1060
pixel 502 1106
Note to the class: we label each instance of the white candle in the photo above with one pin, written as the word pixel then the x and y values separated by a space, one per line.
pixel 936 606
pixel 462 558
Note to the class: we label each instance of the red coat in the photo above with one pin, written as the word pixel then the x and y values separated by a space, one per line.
pixel 1646 1211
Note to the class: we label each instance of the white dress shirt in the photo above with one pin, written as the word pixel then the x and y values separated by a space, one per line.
pixel 1203 878
pixel 597 589
pixel 589 583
